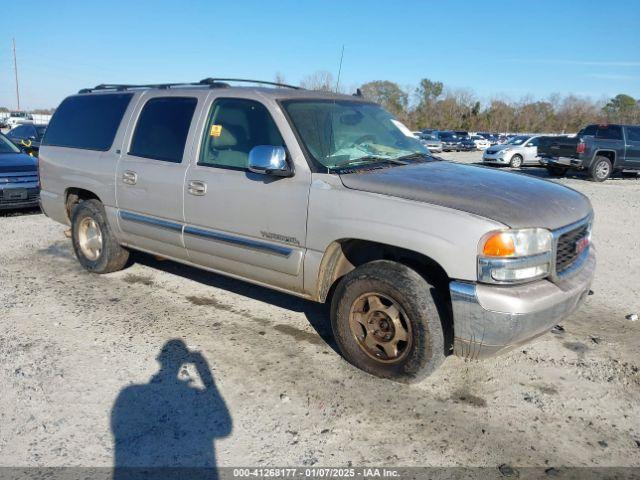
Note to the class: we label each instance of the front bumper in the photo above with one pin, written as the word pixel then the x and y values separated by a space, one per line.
pixel 498 158
pixel 490 320
pixel 29 197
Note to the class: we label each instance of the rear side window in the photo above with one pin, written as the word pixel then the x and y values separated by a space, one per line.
pixel 89 122
pixel 609 132
pixel 590 130
pixel 162 129
pixel 633 133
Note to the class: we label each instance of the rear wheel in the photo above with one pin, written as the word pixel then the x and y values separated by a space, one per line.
pixel 516 161
pixel 386 321
pixel 600 169
pixel 95 245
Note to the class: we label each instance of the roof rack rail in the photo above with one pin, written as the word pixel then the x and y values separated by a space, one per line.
pixel 211 82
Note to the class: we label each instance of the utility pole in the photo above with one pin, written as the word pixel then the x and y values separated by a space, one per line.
pixel 15 69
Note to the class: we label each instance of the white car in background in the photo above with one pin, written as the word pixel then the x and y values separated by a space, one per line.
pixel 481 142
pixel 18 118
pixel 517 152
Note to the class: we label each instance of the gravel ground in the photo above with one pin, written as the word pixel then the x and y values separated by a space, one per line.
pixel 79 360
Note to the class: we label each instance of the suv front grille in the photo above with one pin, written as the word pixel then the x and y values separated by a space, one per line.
pixel 567 251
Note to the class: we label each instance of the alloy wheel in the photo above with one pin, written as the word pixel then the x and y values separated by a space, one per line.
pixel 90 238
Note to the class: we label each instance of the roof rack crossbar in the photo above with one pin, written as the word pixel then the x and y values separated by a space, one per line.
pixel 211 82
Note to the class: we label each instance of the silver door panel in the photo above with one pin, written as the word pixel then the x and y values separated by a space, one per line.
pixel 217 245
pixel 151 228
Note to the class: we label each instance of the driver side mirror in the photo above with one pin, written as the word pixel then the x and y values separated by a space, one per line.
pixel 269 160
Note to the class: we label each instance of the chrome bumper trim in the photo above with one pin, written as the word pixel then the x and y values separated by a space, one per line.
pixel 490 320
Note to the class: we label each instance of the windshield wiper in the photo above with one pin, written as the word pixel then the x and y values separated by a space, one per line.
pixel 368 160
pixel 414 156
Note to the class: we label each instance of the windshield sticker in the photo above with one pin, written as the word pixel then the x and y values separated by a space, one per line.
pixel 215 131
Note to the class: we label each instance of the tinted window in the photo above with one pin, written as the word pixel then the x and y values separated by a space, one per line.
pixel 235 126
pixel 162 128
pixel 633 133
pixel 590 130
pixel 87 121
pixel 609 132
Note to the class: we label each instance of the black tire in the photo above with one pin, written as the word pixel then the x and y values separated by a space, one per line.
pixel 418 301
pixel 557 171
pixel 516 161
pixel 600 169
pixel 112 257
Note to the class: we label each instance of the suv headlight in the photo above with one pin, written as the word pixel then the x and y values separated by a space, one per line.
pixel 515 256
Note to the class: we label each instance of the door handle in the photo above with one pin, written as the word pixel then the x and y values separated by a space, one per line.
pixel 129 177
pixel 196 187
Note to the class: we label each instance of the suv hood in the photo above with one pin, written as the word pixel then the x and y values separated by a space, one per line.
pixel 17 162
pixel 515 200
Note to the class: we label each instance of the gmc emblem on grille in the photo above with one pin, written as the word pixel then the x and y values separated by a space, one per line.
pixel 581 245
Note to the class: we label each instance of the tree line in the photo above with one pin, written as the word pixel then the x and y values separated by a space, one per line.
pixel 432 105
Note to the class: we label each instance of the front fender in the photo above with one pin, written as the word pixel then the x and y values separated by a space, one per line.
pixel 447 236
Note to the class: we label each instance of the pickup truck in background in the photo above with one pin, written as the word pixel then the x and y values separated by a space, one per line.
pixel 598 149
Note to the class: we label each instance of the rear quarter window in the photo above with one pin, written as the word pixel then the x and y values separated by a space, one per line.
pixel 88 122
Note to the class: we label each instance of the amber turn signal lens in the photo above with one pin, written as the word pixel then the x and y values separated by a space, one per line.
pixel 499 245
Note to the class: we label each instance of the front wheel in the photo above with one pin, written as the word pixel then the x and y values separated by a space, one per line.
pixel 600 169
pixel 386 321
pixel 516 161
pixel 95 245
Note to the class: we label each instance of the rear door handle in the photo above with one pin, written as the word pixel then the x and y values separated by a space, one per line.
pixel 129 177
pixel 196 187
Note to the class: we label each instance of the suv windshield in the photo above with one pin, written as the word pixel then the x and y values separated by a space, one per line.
pixel 340 133
pixel 6 146
pixel 518 140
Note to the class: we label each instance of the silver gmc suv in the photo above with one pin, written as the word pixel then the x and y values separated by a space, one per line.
pixel 323 196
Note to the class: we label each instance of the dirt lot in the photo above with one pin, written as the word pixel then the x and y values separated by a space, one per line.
pixel 72 342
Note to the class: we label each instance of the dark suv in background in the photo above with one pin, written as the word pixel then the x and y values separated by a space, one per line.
pixel 598 149
pixel 27 137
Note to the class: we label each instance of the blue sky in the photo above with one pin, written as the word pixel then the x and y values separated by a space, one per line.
pixel 493 48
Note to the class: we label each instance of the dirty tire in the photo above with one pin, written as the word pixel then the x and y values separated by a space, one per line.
pixel 112 256
pixel 600 169
pixel 557 171
pixel 516 161
pixel 418 300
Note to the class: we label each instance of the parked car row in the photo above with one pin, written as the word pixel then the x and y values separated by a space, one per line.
pixel 600 150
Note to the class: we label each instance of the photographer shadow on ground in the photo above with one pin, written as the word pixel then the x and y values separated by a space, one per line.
pixel 170 424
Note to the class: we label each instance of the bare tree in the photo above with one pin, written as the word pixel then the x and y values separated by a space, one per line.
pixel 321 80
